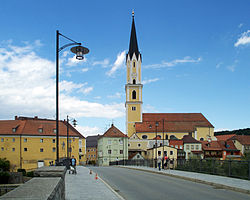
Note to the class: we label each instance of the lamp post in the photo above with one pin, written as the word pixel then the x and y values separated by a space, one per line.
pixel 74 124
pixel 156 125
pixel 79 51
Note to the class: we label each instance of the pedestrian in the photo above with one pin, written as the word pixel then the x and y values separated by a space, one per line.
pixel 73 164
pixel 159 160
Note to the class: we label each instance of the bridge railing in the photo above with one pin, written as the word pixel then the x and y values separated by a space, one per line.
pixel 230 168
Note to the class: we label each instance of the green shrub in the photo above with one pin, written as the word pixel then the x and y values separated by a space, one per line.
pixel 4 164
pixel 4 177
pixel 23 171
pixel 30 174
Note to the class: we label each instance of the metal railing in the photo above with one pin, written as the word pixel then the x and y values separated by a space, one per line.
pixel 230 168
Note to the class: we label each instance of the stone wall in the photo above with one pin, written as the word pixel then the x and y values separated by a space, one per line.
pixel 49 184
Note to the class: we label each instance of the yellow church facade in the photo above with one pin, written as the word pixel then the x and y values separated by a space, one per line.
pixel 150 125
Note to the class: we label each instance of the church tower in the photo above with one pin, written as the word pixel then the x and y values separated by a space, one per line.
pixel 133 86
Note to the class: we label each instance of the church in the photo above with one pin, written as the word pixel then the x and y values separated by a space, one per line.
pixel 162 126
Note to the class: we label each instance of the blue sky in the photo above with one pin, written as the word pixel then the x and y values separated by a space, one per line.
pixel 196 58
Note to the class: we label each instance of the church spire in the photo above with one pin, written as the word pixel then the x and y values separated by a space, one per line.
pixel 133 46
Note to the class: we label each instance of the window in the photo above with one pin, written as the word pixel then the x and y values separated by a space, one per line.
pixel 176 146
pixel 54 130
pixel 13 130
pixel 40 130
pixel 201 139
pixel 159 152
pixel 172 145
pixel 88 150
pixel 109 141
pixel 13 149
pixel 171 152
pixel 2 140
pixel 187 147
pixel 133 108
pixel 41 150
pixel 129 145
pixel 91 156
pixel 197 147
pixel 41 140
pixel 134 94
pixel 25 139
pixel 2 148
pixel 121 151
pixel 166 137
pixel 165 153
pixel 192 147
pixel 70 149
pixel 54 140
pixel 144 137
pixel 109 151
pixel 13 139
pixel 180 146
pixel 139 145
pixel 94 156
pixel 25 149
pixel 133 64
pixel 121 142
pixel 134 81
pixel 54 149
pixel 80 150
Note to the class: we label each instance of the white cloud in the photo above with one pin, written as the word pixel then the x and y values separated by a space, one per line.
pixel 117 95
pixel 118 63
pixel 240 25
pixel 85 69
pixel 104 63
pixel 89 131
pixel 173 63
pixel 231 68
pixel 150 81
pixel 218 65
pixel 244 39
pixel 28 88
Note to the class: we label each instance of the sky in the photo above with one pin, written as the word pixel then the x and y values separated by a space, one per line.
pixel 196 59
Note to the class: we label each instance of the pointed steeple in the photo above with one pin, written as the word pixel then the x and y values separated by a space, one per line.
pixel 133 46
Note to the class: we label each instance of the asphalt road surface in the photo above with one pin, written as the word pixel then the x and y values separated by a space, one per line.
pixel 134 184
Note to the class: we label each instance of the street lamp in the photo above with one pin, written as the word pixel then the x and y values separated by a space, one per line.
pixel 74 124
pixel 79 51
pixel 156 125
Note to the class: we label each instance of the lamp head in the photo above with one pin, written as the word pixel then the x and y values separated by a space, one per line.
pixel 74 123
pixel 79 51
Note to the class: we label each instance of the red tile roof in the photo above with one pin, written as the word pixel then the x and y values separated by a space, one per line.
pixel 224 137
pixel 189 139
pixel 173 122
pixel 30 126
pixel 243 139
pixel 175 142
pixel 211 146
pixel 228 145
pixel 113 132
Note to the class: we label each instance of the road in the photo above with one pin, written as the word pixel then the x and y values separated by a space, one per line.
pixel 134 184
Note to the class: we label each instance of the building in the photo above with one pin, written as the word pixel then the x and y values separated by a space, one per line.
pixel 91 149
pixel 29 143
pixel 178 144
pixel 147 125
pixel 242 143
pixel 211 149
pixel 192 147
pixel 229 151
pixel 112 146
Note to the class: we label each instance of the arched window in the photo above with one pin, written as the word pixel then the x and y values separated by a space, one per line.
pixel 201 139
pixel 133 64
pixel 144 137
pixel 166 137
pixel 134 94
pixel 134 81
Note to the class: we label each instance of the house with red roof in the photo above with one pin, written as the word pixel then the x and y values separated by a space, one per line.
pixel 112 146
pixel 192 147
pixel 242 143
pixel 31 142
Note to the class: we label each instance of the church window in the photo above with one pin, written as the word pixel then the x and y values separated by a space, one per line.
pixel 133 108
pixel 134 94
pixel 144 137
pixel 166 137
pixel 133 64
pixel 134 81
pixel 201 139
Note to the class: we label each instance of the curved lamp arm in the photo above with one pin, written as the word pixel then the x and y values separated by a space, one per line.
pixel 67 45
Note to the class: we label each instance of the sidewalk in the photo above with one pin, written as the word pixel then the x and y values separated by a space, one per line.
pixel 235 184
pixel 84 186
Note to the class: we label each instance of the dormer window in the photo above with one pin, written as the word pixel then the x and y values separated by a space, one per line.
pixel 13 130
pixel 40 130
